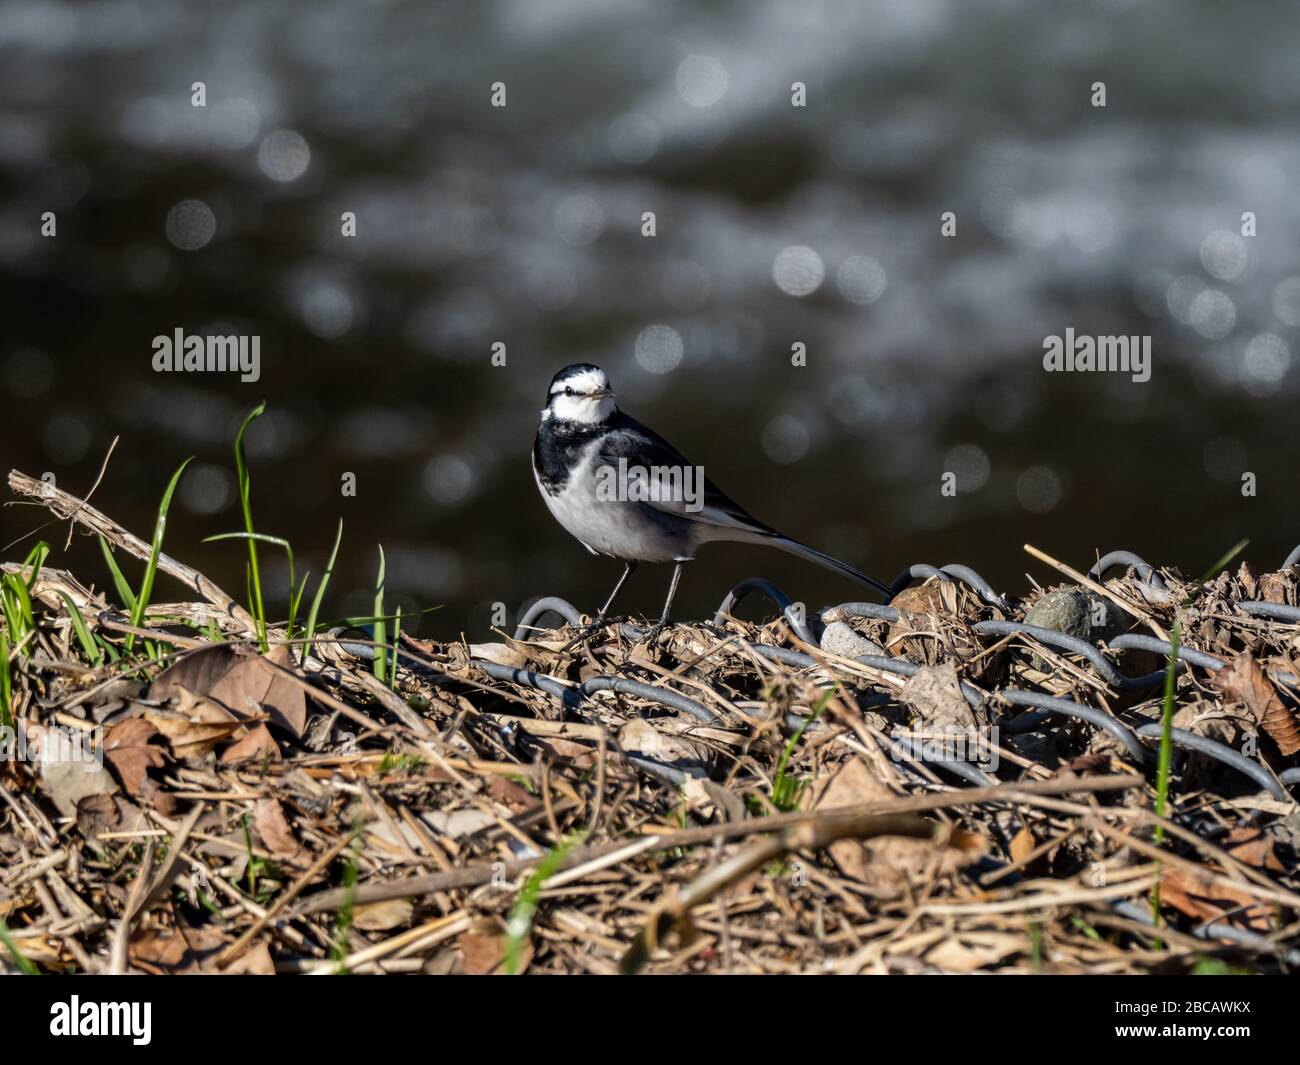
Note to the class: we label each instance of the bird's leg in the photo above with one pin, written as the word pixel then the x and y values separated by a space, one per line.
pixel 628 567
pixel 587 631
pixel 652 634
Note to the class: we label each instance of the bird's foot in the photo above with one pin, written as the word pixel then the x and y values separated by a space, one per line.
pixel 586 632
pixel 651 635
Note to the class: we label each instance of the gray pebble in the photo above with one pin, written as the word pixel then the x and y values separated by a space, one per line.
pixel 840 639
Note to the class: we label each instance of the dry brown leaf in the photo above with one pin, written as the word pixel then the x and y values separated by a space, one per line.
pixel 934 597
pixel 915 605
pixel 641 737
pixel 1226 723
pixel 254 961
pixel 242 681
pixel 1095 764
pixel 481 954
pixel 272 828
pixel 889 864
pixel 483 948
pixel 1246 575
pixel 284 700
pixel 1200 896
pixel 169 950
pixel 579 755
pixel 194 726
pixel 499 653
pixel 853 785
pixel 514 796
pixel 96 814
pixel 1272 588
pixel 969 952
pixel 199 671
pixel 1253 846
pixel 1243 680
pixel 129 752
pixel 1022 845
pixel 382 916
pixel 165 802
pixel 257 743
pixel 183 950
pixel 109 813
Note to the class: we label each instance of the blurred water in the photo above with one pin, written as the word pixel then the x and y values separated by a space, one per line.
pixel 775 225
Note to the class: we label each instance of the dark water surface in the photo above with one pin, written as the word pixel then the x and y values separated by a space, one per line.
pixel 776 225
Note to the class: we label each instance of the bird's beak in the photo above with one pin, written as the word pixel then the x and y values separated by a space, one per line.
pixel 601 393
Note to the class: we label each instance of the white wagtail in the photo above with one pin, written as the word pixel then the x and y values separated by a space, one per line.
pixel 626 493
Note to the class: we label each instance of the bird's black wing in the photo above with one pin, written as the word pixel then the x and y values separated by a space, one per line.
pixel 627 439
pixel 641 447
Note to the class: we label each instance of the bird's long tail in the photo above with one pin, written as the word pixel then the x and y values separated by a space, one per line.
pixel 794 547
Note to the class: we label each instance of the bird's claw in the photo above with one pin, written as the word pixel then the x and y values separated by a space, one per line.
pixel 586 632
pixel 651 635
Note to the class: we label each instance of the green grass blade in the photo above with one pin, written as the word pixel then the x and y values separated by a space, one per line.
pixel 88 645
pixel 343 917
pixel 155 549
pixel 785 792
pixel 319 597
pixel 295 600
pixel 1228 556
pixel 379 662
pixel 36 559
pixel 360 621
pixel 119 580
pixel 520 923
pixel 1165 758
pixel 10 606
pixel 24 618
pixel 278 541
pixel 28 616
pixel 13 612
pixel 248 586
pixel 245 488
pixel 16 598
pixel 6 689
pixel 25 965
pixel 20 621
pixel 1166 727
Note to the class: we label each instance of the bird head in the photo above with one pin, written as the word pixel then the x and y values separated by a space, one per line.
pixel 580 393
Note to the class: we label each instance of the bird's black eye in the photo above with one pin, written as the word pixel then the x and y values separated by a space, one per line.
pixel 568 391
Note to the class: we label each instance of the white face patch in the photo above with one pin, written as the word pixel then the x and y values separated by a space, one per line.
pixel 578 399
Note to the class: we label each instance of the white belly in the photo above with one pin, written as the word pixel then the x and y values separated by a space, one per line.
pixel 610 527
